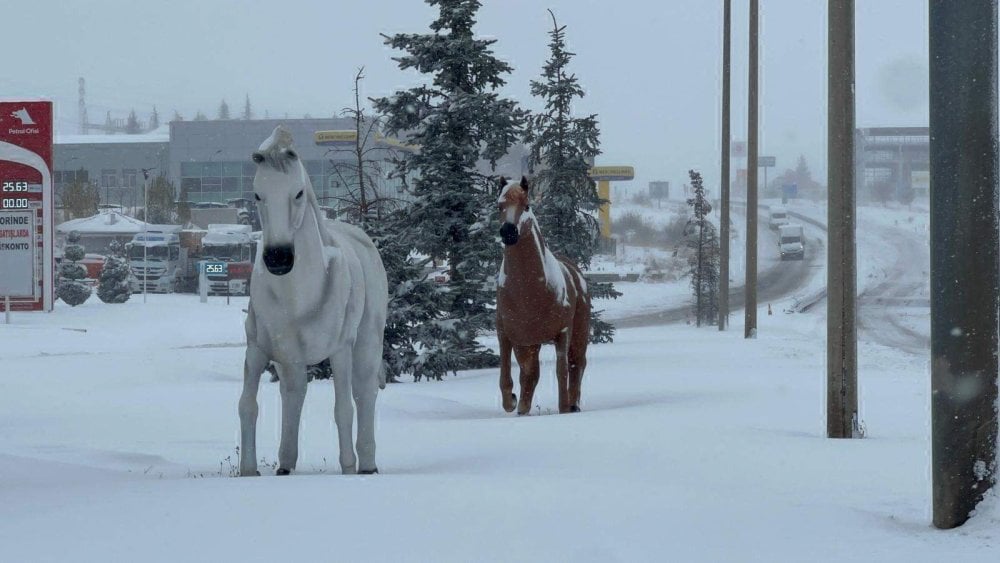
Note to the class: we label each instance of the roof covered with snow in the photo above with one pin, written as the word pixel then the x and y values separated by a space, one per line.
pixel 159 135
pixel 105 222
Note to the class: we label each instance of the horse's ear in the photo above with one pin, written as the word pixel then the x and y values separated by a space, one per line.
pixel 502 182
pixel 524 183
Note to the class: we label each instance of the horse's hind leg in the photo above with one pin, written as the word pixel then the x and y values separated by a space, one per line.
pixel 292 384
pixel 253 367
pixel 527 359
pixel 506 381
pixel 343 408
pixel 562 370
pixel 367 370
pixel 578 357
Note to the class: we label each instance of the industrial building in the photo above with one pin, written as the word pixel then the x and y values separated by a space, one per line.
pixel 893 163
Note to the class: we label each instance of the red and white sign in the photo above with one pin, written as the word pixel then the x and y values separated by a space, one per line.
pixel 26 259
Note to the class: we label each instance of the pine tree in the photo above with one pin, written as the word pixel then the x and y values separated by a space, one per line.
pixel 71 288
pixel 704 258
pixel 132 124
pixel 177 116
pixel 223 111
pixel 456 119
pixel 113 286
pixel 199 116
pixel 154 120
pixel 81 198
pixel 160 201
pixel 247 110
pixel 563 146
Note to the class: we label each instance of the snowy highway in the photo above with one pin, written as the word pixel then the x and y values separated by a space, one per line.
pixel 777 279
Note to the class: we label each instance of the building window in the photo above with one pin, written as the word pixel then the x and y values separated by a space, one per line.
pixel 128 177
pixel 109 178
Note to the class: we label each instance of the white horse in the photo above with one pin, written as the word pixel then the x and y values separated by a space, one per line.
pixel 318 291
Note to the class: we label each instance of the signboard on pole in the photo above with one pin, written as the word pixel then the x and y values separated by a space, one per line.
pixel 766 161
pixel 26 259
pixel 612 173
pixel 659 190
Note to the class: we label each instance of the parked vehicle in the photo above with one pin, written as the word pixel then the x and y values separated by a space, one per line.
pixel 791 242
pixel 156 260
pixel 777 218
pixel 167 260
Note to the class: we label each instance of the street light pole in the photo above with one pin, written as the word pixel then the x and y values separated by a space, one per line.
pixel 750 328
pixel 724 212
pixel 964 238
pixel 842 419
pixel 145 229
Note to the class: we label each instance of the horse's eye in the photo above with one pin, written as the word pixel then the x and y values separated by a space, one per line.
pixel 299 195
pixel 257 157
pixel 257 197
pixel 291 154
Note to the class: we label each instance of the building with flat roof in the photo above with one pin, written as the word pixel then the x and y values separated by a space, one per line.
pixel 892 162
pixel 209 161
pixel 113 163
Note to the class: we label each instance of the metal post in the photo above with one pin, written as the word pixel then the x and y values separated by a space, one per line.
pixel 6 309
pixel 724 195
pixel 964 254
pixel 750 325
pixel 145 230
pixel 841 328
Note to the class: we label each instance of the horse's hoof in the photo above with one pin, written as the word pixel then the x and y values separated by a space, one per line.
pixel 368 471
pixel 574 408
pixel 249 474
pixel 282 471
pixel 509 406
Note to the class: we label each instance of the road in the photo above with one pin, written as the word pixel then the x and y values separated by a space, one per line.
pixel 777 280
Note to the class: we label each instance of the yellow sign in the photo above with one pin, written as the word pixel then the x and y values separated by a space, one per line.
pixel 612 173
pixel 335 137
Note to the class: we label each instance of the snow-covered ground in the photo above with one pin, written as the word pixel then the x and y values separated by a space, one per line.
pixel 119 428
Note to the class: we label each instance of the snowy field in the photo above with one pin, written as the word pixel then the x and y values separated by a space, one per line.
pixel 119 432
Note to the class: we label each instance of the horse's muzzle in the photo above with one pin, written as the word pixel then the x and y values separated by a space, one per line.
pixel 279 259
pixel 508 233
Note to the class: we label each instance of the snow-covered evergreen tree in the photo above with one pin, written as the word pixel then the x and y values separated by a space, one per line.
pixel 563 148
pixel 113 286
pixel 154 119
pixel 72 289
pixel 456 119
pixel 703 240
pixel 247 110
pixel 223 111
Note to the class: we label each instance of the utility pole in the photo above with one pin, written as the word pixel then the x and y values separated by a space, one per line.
pixel 145 229
pixel 964 255
pixel 750 324
pixel 841 328
pixel 724 196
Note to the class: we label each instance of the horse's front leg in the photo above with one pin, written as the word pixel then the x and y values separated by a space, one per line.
pixel 253 367
pixel 343 408
pixel 527 360
pixel 293 393
pixel 562 370
pixel 506 381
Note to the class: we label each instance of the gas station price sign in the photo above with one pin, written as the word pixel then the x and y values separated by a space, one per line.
pixel 26 212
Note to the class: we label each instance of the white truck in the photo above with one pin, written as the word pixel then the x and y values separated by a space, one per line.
pixel 791 242
pixel 156 259
pixel 777 218
pixel 233 245
pixel 165 259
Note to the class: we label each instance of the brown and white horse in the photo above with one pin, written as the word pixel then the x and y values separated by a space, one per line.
pixel 541 299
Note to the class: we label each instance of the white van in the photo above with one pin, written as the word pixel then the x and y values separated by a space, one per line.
pixel 777 218
pixel 791 243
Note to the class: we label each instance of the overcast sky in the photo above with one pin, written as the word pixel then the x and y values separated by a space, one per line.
pixel 651 68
